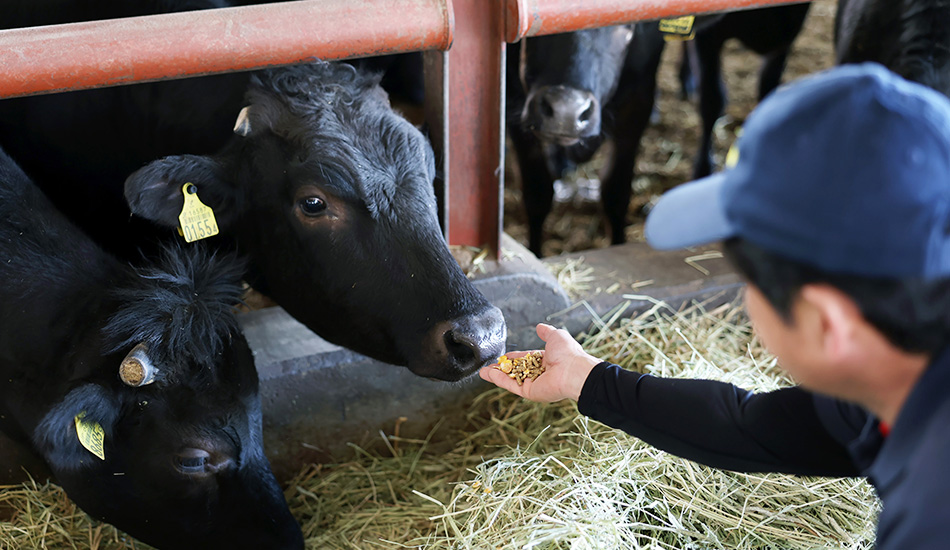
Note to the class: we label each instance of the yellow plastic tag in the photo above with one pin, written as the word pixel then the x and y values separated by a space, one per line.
pixel 732 156
pixel 196 219
pixel 677 25
pixel 91 436
pixel 678 28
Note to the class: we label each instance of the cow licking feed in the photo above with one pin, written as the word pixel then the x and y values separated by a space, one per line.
pixel 176 461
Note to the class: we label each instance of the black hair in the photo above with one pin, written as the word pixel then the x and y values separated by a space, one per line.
pixel 913 314
pixel 182 307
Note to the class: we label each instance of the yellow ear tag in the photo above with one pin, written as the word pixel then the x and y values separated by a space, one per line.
pixel 732 156
pixel 196 219
pixel 91 436
pixel 678 29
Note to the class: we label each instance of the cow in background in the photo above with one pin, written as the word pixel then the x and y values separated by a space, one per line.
pixel 909 37
pixel 327 192
pixel 566 93
pixel 768 32
pixel 149 365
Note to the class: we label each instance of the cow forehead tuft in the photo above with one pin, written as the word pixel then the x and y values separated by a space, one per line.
pixel 182 308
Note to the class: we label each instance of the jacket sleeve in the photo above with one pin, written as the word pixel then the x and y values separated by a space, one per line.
pixel 721 425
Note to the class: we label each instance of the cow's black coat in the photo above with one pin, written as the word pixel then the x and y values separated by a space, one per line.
pixel 768 32
pixel 184 465
pixel 909 37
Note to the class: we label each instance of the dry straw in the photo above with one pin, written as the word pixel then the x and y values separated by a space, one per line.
pixel 510 474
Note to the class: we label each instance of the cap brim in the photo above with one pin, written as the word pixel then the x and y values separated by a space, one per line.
pixel 690 214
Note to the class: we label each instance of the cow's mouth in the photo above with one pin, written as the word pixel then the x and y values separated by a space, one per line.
pixel 561 140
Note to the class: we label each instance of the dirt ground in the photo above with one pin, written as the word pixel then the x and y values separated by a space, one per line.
pixel 669 145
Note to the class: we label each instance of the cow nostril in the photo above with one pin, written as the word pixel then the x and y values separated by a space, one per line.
pixel 587 113
pixel 547 110
pixel 460 346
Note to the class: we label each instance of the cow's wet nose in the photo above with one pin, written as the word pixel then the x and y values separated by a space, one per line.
pixel 563 112
pixel 465 344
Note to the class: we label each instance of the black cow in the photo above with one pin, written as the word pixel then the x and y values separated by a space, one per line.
pixel 909 37
pixel 767 31
pixel 179 462
pixel 565 94
pixel 329 196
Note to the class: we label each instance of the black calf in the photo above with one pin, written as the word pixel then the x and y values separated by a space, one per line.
pixel 566 95
pixel 177 462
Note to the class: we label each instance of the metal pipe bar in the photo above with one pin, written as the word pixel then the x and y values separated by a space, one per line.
pixel 524 18
pixel 175 45
pixel 472 75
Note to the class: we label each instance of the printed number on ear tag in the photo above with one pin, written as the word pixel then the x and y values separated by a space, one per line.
pixel 678 28
pixel 196 219
pixel 91 436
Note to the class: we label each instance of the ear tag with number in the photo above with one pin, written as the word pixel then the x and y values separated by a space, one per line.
pixel 678 28
pixel 196 219
pixel 91 435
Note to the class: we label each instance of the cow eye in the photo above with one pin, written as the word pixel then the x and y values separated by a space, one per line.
pixel 312 206
pixel 192 461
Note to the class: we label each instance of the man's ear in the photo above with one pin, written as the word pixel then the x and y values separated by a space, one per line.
pixel 56 437
pixel 154 191
pixel 839 319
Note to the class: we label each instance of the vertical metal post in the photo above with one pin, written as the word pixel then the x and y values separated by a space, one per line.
pixel 466 88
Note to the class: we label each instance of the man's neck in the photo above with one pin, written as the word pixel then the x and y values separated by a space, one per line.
pixel 892 374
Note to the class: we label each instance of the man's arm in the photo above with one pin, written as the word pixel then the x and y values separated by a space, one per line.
pixel 719 424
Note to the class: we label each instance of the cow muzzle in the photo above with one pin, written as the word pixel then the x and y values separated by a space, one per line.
pixel 457 348
pixel 562 115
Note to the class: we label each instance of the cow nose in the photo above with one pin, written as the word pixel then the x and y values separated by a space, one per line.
pixel 563 112
pixel 465 344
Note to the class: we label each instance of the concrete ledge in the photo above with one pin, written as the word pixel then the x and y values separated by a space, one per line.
pixel 642 274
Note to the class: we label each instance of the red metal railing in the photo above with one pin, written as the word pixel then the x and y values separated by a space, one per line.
pixel 175 45
pixel 524 18
pixel 465 99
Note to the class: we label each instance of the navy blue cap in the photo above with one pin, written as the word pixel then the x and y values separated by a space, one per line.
pixel 847 171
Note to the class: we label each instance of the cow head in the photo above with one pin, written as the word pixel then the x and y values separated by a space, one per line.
pixel 568 78
pixel 329 193
pixel 182 463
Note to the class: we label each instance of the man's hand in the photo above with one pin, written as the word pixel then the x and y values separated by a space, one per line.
pixel 566 368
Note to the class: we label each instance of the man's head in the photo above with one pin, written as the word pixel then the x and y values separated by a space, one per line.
pixel 837 210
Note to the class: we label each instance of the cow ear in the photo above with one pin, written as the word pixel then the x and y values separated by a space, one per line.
pixel 57 436
pixel 154 191
pixel 256 119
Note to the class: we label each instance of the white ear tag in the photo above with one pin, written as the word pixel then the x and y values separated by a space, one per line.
pixel 196 219
pixel 91 435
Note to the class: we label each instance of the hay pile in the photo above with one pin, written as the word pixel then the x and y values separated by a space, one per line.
pixel 518 475
pixel 35 515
